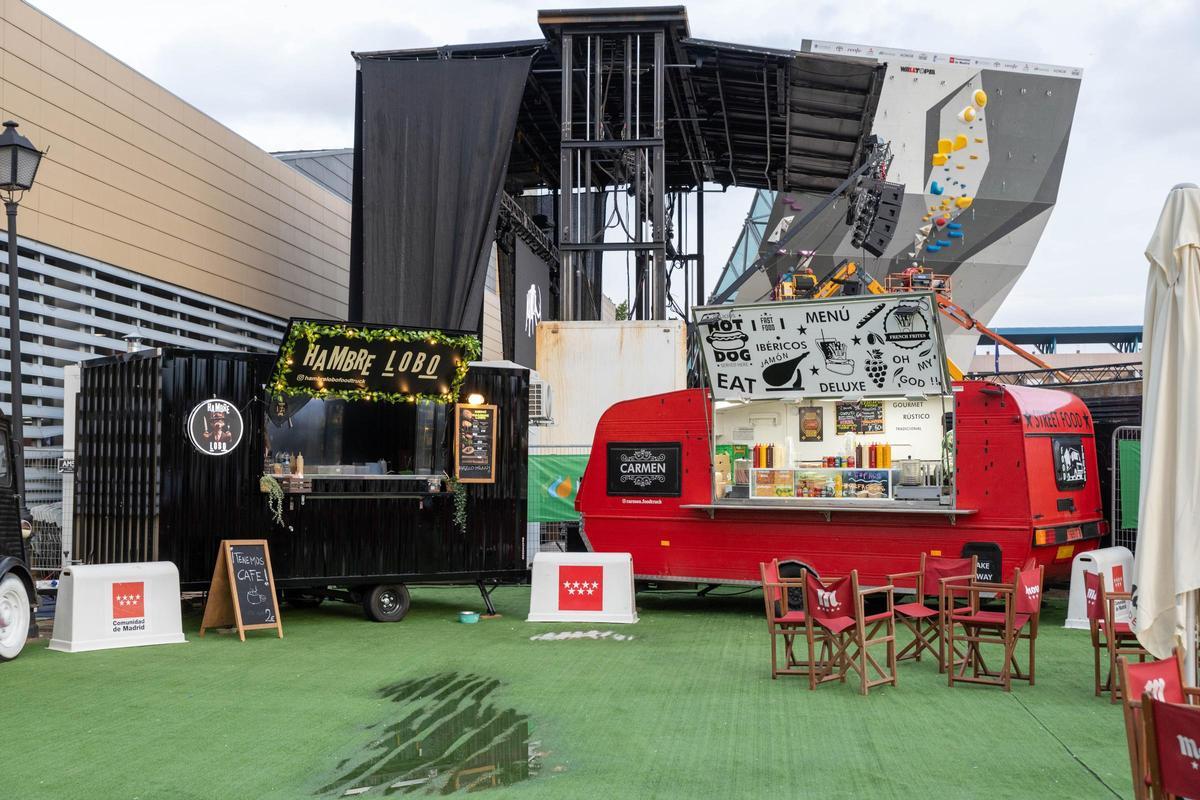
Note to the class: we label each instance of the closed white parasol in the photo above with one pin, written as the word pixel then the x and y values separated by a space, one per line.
pixel 1167 561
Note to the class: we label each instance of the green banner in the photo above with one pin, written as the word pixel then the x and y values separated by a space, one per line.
pixel 553 483
pixel 1129 475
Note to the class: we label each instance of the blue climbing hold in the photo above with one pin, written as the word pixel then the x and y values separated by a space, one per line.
pixel 954 226
pixel 943 242
pixel 933 248
pixel 955 234
pixel 935 188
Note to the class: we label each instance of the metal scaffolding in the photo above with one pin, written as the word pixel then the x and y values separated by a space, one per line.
pixel 612 136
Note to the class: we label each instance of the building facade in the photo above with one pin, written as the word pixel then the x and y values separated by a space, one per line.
pixel 150 223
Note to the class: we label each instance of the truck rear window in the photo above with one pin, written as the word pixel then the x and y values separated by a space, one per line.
pixel 1070 466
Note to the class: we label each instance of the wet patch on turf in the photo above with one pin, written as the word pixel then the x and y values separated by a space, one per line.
pixel 446 736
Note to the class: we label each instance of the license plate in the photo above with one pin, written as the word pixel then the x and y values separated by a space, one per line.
pixel 1074 533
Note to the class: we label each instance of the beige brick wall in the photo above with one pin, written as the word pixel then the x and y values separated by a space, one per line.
pixel 138 178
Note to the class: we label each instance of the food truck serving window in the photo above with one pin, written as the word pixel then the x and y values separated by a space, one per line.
pixel 1070 465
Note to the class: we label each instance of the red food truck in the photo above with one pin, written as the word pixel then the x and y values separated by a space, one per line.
pixel 832 436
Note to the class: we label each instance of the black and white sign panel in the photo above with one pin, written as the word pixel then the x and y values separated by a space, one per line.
pixel 648 469
pixel 1070 466
pixel 873 346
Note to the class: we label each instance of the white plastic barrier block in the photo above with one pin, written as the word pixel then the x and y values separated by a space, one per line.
pixel 117 605
pixel 582 587
pixel 1116 565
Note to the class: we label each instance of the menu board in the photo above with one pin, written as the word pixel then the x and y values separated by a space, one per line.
pixel 867 346
pixel 475 444
pixel 863 416
pixel 242 592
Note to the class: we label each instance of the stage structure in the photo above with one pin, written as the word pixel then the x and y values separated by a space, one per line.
pixel 621 122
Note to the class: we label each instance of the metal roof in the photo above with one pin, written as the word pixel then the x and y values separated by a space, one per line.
pixel 331 169
pixel 736 115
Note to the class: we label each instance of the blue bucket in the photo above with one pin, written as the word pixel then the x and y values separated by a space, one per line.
pixel 468 617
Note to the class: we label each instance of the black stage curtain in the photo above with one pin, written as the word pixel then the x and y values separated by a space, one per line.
pixel 434 146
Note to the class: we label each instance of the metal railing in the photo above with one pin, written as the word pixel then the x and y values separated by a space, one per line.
pixel 1122 535
pixel 1099 373
pixel 44 499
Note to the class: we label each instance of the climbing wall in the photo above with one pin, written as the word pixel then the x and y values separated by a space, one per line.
pixel 979 145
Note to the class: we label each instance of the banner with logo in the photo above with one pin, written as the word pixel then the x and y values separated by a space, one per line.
pixel 870 346
pixel 553 484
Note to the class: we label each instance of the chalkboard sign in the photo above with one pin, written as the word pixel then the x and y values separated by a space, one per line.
pixel 242 592
pixel 475 443
pixel 864 416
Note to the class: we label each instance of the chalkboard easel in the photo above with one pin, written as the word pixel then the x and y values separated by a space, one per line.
pixel 242 592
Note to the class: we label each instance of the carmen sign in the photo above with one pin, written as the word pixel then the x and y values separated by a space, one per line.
pixel 651 469
pixel 372 362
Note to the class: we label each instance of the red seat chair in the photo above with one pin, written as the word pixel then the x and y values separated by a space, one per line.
pixel 1162 680
pixel 835 613
pixel 1108 634
pixel 783 621
pixel 1172 748
pixel 1022 606
pixel 926 618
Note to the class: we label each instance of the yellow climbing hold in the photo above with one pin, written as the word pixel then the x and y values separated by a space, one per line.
pixel 945 146
pixel 980 98
pixel 978 140
pixel 967 114
pixel 939 159
pixel 962 166
pixel 974 158
pixel 963 202
pixel 960 142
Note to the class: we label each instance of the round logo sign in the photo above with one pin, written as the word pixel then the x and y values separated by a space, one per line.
pixel 215 427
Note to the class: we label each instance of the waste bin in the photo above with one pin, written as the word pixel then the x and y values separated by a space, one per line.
pixel 1114 563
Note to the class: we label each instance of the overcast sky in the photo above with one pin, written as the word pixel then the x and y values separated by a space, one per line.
pixel 281 75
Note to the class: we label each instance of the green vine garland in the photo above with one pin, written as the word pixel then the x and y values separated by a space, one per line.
pixel 460 504
pixel 311 331
pixel 270 486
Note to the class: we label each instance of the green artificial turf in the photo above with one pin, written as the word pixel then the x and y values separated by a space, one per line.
pixel 686 708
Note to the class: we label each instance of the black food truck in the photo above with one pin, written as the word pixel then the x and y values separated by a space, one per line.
pixel 342 451
pixel 17 595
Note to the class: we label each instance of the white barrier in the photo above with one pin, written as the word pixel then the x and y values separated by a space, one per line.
pixel 117 605
pixel 582 587
pixel 1115 564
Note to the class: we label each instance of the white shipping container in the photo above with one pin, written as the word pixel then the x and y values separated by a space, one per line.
pixel 591 365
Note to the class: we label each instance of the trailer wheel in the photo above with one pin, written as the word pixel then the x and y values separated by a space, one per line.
pixel 14 617
pixel 387 602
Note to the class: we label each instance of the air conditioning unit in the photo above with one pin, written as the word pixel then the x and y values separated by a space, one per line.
pixel 541 404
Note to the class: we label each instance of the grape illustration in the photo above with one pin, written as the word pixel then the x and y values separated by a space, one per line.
pixel 876 368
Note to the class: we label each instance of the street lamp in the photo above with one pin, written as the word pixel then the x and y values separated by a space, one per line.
pixel 19 161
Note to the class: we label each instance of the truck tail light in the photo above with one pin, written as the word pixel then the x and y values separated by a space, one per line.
pixel 1043 536
pixel 1103 527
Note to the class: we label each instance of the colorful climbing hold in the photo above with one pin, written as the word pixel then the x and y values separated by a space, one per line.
pixel 939 159
pixel 936 188
pixel 945 146
pixel 960 142
pixel 980 98
pixel 963 202
pixel 940 222
pixel 967 114
pixel 955 234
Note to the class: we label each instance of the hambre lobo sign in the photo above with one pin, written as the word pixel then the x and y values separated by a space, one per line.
pixel 372 362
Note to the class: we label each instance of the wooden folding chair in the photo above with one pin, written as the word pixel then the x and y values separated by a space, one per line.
pixel 925 619
pixel 1163 680
pixel 785 621
pixel 1022 602
pixel 1172 748
pixel 1109 634
pixel 835 608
